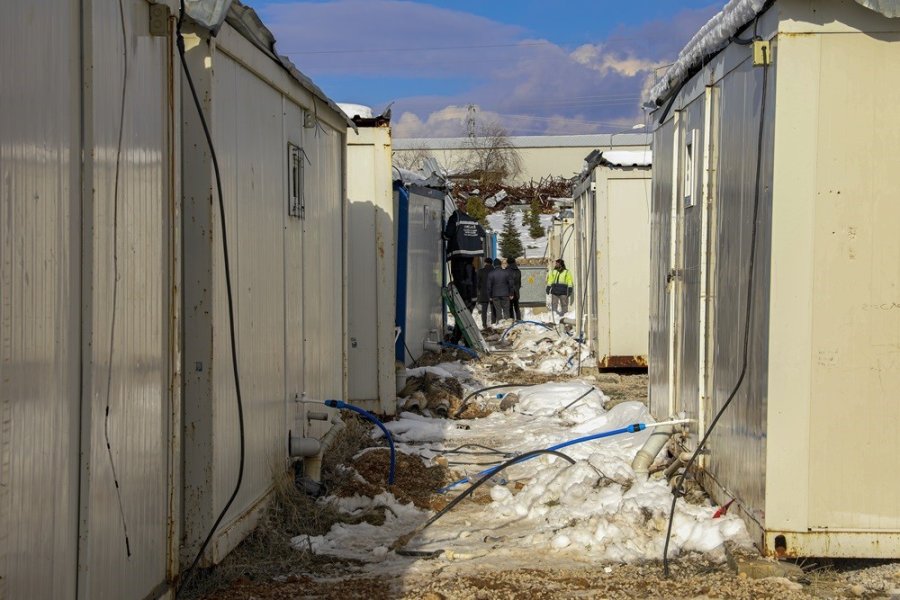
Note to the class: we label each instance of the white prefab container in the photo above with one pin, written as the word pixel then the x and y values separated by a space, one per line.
pixel 372 255
pixel 810 446
pixel 612 243
pixel 89 238
pixel 281 149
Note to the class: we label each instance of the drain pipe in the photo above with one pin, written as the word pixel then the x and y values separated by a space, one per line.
pixel 312 450
pixel 647 454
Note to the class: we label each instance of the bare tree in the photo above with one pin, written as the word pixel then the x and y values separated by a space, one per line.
pixel 412 158
pixel 491 156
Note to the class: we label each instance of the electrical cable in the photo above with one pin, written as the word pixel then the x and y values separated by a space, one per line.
pixel 678 491
pixel 408 351
pixel 115 290
pixel 634 428
pixel 574 402
pixel 465 401
pixel 398 545
pixel 339 404
pixel 458 450
pixel 228 288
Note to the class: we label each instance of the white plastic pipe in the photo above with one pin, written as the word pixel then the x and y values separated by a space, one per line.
pixel 646 455
pixel 312 466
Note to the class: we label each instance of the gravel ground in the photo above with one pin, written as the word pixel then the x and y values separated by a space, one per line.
pixel 691 578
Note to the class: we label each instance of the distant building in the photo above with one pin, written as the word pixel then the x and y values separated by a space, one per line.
pixel 553 155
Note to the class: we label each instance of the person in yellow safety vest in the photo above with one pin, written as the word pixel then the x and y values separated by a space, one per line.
pixel 560 287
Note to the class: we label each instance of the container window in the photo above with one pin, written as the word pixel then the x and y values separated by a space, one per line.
pixel 296 204
pixel 690 165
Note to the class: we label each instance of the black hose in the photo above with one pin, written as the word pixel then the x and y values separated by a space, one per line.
pixel 465 401
pixel 231 327
pixel 468 492
pixel 459 450
pixel 678 490
pixel 575 401
pixel 408 351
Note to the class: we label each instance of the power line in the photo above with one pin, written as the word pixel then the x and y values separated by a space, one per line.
pixel 431 48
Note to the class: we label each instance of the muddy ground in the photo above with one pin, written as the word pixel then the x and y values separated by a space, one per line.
pixel 267 567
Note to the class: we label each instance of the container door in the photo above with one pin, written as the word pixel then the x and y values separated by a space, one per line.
pixel 689 276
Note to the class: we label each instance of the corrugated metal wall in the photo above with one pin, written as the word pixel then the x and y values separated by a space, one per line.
pixel 324 285
pixel 424 268
pixel 74 386
pixel 40 356
pixel 739 442
pixel 247 126
pixel 686 285
pixel 131 325
pixel 287 278
pixel 660 264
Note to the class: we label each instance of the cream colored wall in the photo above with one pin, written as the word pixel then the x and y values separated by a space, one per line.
pixel 834 353
pixel 371 270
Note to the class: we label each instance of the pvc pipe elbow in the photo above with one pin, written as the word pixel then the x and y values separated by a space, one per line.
pixel 647 454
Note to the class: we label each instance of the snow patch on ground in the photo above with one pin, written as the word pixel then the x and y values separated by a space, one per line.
pixel 594 510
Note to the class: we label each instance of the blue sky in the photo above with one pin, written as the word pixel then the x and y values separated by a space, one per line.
pixel 535 67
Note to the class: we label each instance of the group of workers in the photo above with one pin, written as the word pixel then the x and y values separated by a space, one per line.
pixel 494 288
pixel 498 291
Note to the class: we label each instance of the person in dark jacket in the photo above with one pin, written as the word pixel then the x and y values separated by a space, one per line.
pixel 499 286
pixel 464 236
pixel 516 276
pixel 484 300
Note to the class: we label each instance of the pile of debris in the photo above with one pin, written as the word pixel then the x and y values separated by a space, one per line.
pixel 430 391
pixel 546 190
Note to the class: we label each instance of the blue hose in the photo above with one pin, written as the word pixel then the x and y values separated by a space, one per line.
pixel 344 406
pixel 594 436
pixel 468 351
pixel 503 337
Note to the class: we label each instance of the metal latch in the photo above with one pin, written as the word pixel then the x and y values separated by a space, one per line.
pixel 762 53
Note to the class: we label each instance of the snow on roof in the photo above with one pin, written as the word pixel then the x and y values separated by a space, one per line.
pixel 889 8
pixel 532 141
pixel 356 110
pixel 711 38
pixel 627 158
pixel 718 32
